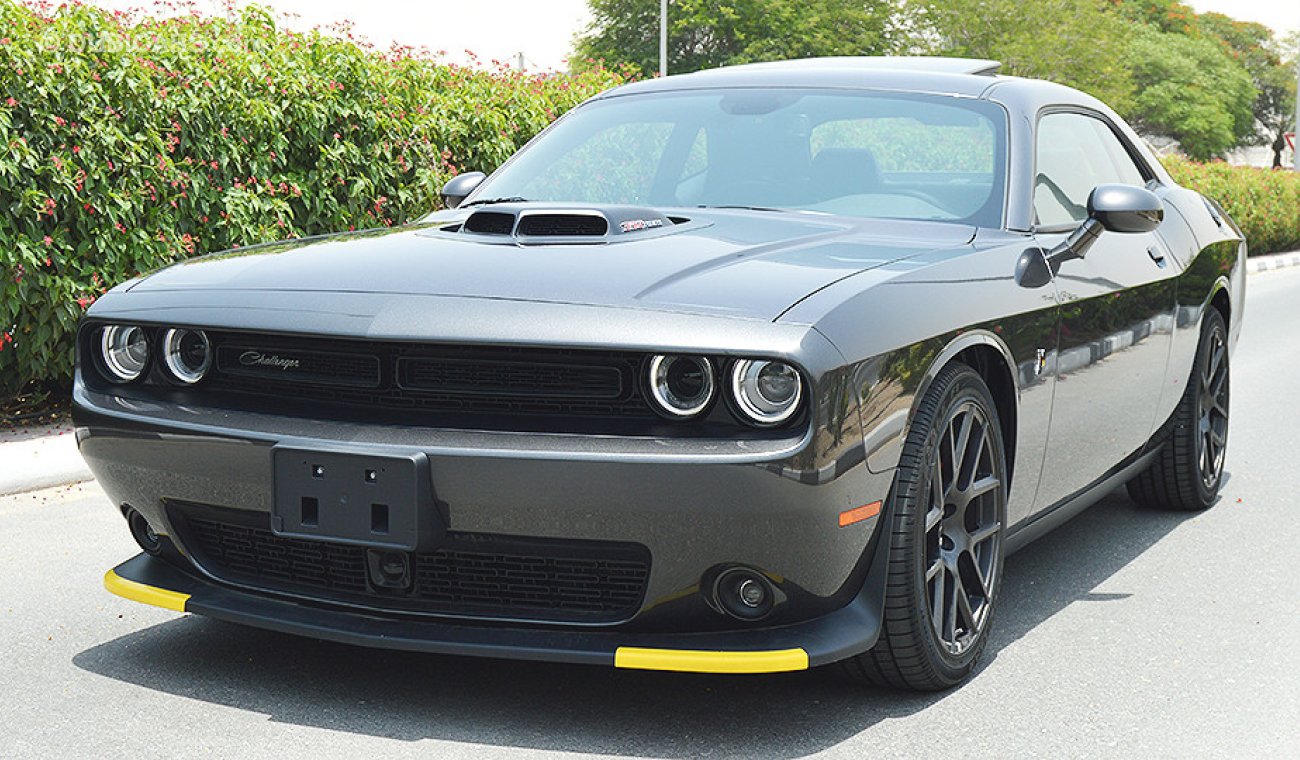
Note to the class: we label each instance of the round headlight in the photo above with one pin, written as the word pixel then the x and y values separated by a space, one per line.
pixel 766 392
pixel 682 386
pixel 188 354
pixel 125 351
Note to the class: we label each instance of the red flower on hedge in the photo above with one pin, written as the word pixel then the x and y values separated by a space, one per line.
pixel 11 102
pixel 48 241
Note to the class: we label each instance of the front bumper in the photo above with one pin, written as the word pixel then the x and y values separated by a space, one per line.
pixel 695 506
pixel 847 631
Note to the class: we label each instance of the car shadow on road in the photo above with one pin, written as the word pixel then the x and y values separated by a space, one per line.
pixel 409 697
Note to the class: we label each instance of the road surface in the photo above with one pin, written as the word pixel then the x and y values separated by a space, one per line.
pixel 1123 634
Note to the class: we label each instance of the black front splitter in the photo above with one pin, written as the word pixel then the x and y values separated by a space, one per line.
pixel 845 632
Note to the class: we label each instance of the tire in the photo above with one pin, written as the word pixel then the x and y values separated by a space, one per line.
pixel 1188 471
pixel 946 526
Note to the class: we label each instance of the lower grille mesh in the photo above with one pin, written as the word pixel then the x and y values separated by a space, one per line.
pixel 472 575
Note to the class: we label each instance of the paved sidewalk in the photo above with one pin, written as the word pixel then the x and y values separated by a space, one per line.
pixel 39 457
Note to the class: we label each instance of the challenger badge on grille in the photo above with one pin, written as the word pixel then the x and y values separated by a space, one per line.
pixel 351 370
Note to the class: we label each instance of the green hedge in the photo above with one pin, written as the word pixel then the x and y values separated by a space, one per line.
pixel 129 145
pixel 1265 203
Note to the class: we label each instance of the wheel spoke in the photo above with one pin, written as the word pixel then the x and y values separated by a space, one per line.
pixel 959 445
pixel 982 486
pixel 979 576
pixel 1216 387
pixel 936 567
pixel 984 534
pixel 1212 366
pixel 932 518
pixel 963 604
pixel 950 621
pixel 937 601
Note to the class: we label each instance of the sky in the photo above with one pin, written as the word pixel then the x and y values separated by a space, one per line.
pixel 1282 15
pixel 543 30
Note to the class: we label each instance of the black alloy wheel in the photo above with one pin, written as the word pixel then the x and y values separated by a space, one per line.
pixel 1212 412
pixel 947 522
pixel 1188 471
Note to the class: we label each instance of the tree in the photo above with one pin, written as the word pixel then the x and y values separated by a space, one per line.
pixel 703 34
pixel 1081 43
pixel 1191 90
pixel 1271 66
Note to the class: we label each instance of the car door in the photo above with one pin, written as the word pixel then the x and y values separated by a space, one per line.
pixel 1116 308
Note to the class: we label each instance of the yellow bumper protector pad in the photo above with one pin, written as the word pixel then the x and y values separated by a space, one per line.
pixel 139 592
pixel 697 661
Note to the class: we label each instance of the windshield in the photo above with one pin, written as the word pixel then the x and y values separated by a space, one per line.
pixel 867 154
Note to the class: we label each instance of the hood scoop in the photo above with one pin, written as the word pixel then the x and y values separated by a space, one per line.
pixel 562 224
pixel 527 223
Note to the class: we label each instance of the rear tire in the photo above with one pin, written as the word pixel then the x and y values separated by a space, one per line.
pixel 946 520
pixel 1188 471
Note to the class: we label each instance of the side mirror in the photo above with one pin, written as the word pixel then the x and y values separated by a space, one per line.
pixel 1113 208
pixel 459 187
pixel 1125 208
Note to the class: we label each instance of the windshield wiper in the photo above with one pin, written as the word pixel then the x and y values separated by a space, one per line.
pixel 746 208
pixel 490 201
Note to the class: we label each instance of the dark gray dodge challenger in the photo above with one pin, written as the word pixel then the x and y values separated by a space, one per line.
pixel 749 370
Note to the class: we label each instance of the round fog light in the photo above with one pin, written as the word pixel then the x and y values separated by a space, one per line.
pixel 188 354
pixel 744 594
pixel 143 532
pixel 751 593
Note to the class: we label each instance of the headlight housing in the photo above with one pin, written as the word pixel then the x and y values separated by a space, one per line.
pixel 766 392
pixel 187 354
pixel 124 351
pixel 682 386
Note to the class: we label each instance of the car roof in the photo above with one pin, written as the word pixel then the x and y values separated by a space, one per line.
pixel 969 77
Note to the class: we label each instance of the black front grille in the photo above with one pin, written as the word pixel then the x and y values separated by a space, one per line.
pixel 455 386
pixel 471 575
pixel 243 552
pixel 485 377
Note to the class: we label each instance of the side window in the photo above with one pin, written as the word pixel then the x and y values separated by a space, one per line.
pixel 1075 154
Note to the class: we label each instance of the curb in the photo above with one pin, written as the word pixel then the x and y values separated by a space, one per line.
pixel 34 459
pixel 1273 261
pixel 43 480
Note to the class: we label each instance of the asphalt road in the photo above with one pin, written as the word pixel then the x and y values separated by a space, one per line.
pixel 1125 633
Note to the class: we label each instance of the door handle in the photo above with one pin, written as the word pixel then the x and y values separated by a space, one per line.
pixel 1156 256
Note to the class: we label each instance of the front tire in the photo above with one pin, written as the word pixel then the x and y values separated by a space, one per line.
pixel 947 521
pixel 1187 473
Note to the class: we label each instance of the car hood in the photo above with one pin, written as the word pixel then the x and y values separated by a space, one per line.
pixel 750 264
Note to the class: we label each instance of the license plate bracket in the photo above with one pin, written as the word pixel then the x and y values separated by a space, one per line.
pixel 376 500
